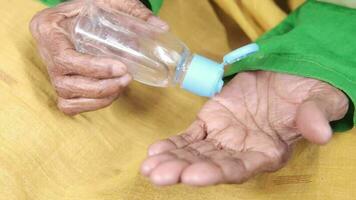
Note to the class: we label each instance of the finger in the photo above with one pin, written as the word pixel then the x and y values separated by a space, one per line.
pixel 325 104
pixel 67 61
pixel 78 86
pixel 156 168
pixel 195 154
pixel 70 62
pixel 202 174
pixel 79 105
pixel 233 170
pixel 64 59
pixel 150 163
pixel 194 133
pixel 244 165
pixel 169 172
pixel 72 7
pixel 131 7
pixel 157 22
pixel 226 169
pixel 313 124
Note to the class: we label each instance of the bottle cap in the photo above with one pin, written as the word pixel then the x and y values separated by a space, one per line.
pixel 203 77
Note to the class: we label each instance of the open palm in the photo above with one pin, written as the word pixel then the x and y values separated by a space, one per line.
pixel 247 129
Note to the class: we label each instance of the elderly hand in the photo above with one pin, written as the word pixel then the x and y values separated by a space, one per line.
pixel 83 82
pixel 247 129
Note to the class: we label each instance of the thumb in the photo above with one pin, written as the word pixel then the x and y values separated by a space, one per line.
pixel 312 122
pixel 325 104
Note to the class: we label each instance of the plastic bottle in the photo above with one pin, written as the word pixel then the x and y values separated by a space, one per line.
pixel 153 57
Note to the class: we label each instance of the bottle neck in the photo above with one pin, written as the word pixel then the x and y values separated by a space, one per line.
pixel 182 67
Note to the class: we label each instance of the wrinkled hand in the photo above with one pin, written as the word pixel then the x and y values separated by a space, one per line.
pixel 83 82
pixel 247 129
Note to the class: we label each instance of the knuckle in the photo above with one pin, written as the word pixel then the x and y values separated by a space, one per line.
pixel 341 103
pixel 340 98
pixel 42 28
pixel 39 24
pixel 136 8
pixel 103 67
pixel 57 81
pixel 55 71
pixel 62 62
pixel 37 17
pixel 334 100
pixel 57 84
pixel 33 25
pixel 64 93
pixel 60 57
pixel 278 156
pixel 109 89
pixel 101 91
pixel 89 66
pixel 62 89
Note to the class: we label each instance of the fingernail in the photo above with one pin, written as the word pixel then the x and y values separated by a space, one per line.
pixel 155 21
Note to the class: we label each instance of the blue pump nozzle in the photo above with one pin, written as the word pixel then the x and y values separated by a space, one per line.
pixel 240 53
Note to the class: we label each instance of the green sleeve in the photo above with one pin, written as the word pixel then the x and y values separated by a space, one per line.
pixel 154 5
pixel 52 2
pixel 318 41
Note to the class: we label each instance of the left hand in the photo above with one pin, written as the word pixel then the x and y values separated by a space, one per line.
pixel 83 82
pixel 247 129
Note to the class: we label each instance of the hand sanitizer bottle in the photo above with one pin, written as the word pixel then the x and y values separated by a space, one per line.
pixel 152 56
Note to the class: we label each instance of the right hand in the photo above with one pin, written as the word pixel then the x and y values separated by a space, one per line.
pixel 82 82
pixel 251 127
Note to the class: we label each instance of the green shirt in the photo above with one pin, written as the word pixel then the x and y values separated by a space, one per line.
pixel 154 5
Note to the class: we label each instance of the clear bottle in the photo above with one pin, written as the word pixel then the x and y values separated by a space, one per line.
pixel 153 57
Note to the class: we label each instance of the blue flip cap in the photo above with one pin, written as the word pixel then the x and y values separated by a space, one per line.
pixel 203 77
